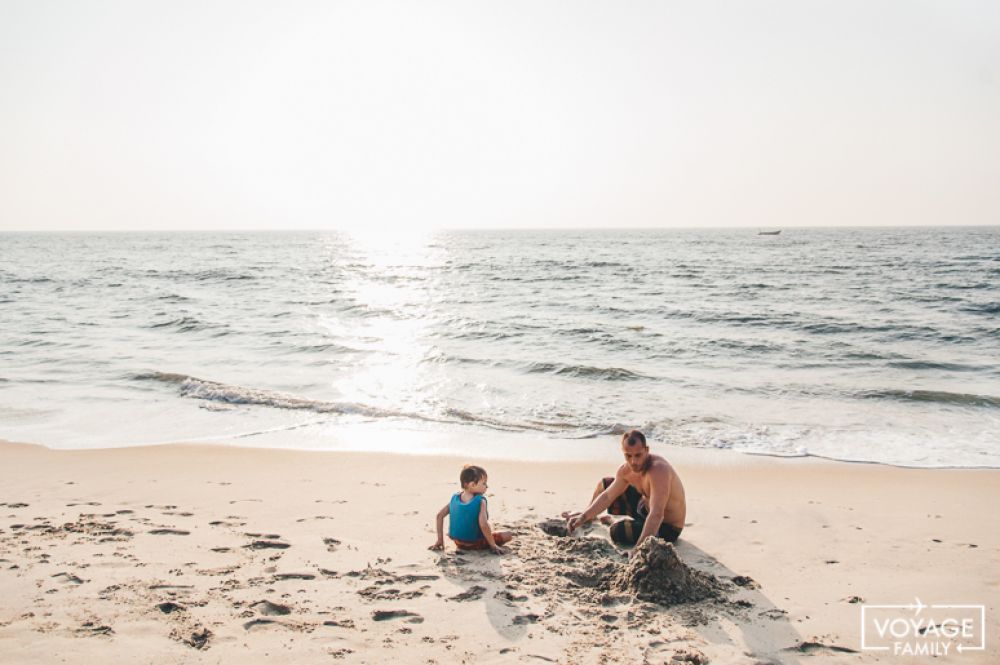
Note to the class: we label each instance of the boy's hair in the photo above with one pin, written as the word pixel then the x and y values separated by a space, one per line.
pixel 471 474
pixel 634 437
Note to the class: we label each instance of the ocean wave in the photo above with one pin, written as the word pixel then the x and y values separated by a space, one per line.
pixel 983 308
pixel 927 364
pixel 28 280
pixel 979 286
pixel 933 396
pixel 185 324
pixel 584 371
pixel 214 391
pixel 323 348
pixel 743 346
pixel 173 298
pixel 842 328
pixel 436 355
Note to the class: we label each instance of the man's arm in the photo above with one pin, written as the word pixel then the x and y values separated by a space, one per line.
pixel 601 501
pixel 484 524
pixel 660 484
pixel 439 543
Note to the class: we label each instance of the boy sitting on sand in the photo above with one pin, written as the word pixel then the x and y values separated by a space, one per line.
pixel 469 522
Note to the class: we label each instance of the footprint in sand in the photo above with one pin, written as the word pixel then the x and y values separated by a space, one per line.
pixel 294 576
pixel 472 593
pixel 68 578
pixel 522 619
pixel 387 615
pixel 267 545
pixel 197 639
pixel 259 623
pixel 343 623
pixel 268 608
pixel 509 597
pixel 89 628
pixel 376 592
pixel 170 532
pixel 169 607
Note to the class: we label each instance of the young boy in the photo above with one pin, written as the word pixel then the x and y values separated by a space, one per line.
pixel 469 522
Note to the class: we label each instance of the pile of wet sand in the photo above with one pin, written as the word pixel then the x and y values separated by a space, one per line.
pixel 598 570
pixel 656 574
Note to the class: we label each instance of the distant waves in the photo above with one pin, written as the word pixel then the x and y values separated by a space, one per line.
pixel 858 344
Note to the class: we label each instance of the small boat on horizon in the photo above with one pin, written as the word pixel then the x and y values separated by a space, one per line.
pixel 769 233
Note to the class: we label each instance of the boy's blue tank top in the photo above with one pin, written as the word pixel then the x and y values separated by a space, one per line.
pixel 463 518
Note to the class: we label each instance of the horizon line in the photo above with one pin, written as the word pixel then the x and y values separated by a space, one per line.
pixel 500 228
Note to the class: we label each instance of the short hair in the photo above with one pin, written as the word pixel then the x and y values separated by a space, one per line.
pixel 471 474
pixel 634 437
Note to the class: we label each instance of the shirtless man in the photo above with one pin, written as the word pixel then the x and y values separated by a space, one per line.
pixel 646 490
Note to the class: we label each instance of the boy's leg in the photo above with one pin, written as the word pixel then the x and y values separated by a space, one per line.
pixel 468 545
pixel 500 538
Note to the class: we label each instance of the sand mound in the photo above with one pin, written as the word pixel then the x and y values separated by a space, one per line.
pixel 656 574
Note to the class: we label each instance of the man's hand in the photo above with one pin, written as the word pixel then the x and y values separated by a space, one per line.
pixel 439 545
pixel 499 550
pixel 574 521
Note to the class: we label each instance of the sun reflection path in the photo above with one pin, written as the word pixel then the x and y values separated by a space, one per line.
pixel 388 290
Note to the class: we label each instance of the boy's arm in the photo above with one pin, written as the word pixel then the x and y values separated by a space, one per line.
pixel 484 524
pixel 439 543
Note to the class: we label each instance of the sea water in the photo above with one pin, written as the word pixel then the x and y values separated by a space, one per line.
pixel 875 344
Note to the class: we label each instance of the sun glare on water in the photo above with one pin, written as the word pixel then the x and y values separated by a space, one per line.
pixel 390 285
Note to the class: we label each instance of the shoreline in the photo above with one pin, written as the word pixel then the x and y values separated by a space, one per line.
pixel 519 446
pixel 810 540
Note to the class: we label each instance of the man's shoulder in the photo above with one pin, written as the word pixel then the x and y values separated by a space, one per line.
pixel 659 465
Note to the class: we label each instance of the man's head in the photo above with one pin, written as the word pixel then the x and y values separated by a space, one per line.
pixel 635 450
pixel 473 479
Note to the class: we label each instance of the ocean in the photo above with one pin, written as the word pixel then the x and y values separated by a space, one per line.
pixel 864 344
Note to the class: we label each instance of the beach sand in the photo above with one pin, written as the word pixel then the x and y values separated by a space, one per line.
pixel 190 554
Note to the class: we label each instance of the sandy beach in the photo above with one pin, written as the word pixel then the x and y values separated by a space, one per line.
pixel 220 554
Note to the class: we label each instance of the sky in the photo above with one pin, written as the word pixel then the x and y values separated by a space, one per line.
pixel 395 116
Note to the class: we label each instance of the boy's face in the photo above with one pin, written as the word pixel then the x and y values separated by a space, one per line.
pixel 478 487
